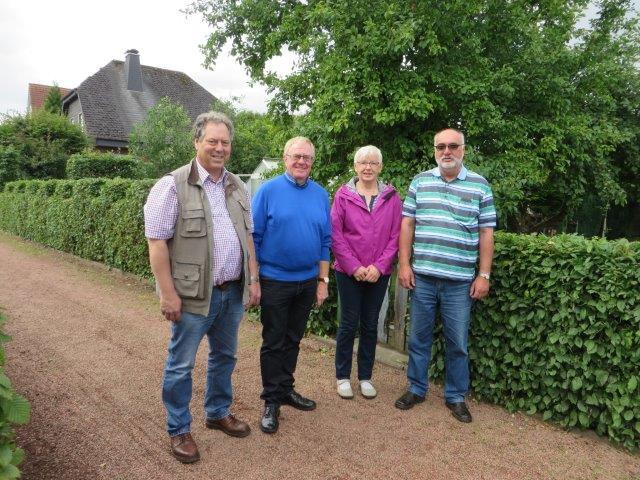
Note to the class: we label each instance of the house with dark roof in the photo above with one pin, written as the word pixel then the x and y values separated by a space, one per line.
pixel 109 103
pixel 38 94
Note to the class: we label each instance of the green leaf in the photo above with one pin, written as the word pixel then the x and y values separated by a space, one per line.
pixel 576 384
pixel 583 418
pixel 632 383
pixel 17 410
pixel 5 455
pixel 9 472
pixel 18 457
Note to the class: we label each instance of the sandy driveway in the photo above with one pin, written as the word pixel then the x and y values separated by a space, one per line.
pixel 88 351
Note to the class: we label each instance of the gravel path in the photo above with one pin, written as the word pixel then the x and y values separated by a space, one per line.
pixel 88 349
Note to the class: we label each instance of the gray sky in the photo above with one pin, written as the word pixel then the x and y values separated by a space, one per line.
pixel 43 41
pixel 66 42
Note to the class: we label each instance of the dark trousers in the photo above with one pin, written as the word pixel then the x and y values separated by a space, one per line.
pixel 285 308
pixel 360 302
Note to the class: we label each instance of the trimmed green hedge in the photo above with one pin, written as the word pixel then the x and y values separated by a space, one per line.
pixel 94 218
pixel 559 334
pixel 102 165
pixel 14 409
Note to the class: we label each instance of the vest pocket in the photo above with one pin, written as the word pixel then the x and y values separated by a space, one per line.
pixel 193 223
pixel 187 280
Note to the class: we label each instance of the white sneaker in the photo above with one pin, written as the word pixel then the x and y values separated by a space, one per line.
pixel 344 388
pixel 367 389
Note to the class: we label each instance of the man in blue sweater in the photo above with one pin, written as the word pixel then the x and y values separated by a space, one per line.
pixel 292 236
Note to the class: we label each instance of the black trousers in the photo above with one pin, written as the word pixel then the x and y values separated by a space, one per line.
pixel 285 308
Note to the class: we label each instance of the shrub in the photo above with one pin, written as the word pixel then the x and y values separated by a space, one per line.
pixel 102 164
pixel 559 334
pixel 14 409
pixel 43 142
pixel 9 164
pixel 95 218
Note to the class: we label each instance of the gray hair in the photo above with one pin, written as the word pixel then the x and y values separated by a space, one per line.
pixel 211 117
pixel 292 141
pixel 367 151
pixel 445 129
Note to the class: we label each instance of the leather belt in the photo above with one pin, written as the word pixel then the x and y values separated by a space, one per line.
pixel 223 286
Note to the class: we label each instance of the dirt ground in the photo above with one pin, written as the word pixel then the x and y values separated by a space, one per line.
pixel 88 350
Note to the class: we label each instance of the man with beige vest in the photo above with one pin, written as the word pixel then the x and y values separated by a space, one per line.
pixel 198 225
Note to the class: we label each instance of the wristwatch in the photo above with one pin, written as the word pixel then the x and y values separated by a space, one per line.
pixel 484 275
pixel 324 279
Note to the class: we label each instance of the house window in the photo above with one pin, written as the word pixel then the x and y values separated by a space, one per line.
pixel 81 120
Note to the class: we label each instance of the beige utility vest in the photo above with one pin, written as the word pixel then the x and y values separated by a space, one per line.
pixel 191 248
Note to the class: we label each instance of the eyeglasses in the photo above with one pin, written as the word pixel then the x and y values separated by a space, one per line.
pixel 452 146
pixel 297 157
pixel 370 164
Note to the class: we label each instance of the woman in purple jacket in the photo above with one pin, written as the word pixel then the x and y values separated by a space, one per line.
pixel 365 221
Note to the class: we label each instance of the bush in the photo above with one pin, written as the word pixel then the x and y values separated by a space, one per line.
pixel 43 142
pixel 102 164
pixel 14 409
pixel 559 335
pixel 9 165
pixel 98 219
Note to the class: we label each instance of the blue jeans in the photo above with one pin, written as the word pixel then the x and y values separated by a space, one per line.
pixel 221 328
pixel 360 303
pixel 455 310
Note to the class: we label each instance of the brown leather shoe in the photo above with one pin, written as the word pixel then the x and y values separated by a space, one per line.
pixel 230 425
pixel 184 448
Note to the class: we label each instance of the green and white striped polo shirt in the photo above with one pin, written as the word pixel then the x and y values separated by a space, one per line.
pixel 448 216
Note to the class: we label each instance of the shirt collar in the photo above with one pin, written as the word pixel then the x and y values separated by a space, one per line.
pixel 292 180
pixel 204 175
pixel 462 174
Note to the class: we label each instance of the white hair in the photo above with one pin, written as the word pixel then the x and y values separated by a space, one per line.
pixel 366 151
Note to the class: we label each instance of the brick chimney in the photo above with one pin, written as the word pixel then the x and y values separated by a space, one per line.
pixel 132 70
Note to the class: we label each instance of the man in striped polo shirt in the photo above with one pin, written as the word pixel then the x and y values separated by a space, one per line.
pixel 448 219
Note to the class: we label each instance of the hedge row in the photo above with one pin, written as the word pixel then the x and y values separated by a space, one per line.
pixel 14 409
pixel 559 335
pixel 90 164
pixel 98 219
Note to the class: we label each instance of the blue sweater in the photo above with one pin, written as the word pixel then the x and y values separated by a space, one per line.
pixel 291 228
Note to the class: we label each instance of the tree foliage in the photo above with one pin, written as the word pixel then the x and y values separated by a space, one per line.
pixel 53 102
pixel 38 145
pixel 163 140
pixel 550 109
pixel 257 136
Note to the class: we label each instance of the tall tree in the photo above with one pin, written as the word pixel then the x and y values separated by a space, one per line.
pixel 257 135
pixel 53 102
pixel 163 139
pixel 547 106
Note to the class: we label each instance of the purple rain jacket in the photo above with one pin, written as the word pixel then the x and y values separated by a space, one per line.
pixel 363 238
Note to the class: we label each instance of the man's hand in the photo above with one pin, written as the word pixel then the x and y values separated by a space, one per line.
pixel 360 273
pixel 171 307
pixel 254 294
pixel 479 288
pixel 406 277
pixel 373 274
pixel 322 292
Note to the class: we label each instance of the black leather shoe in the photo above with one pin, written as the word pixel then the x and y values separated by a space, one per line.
pixel 298 401
pixel 408 400
pixel 460 411
pixel 269 422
